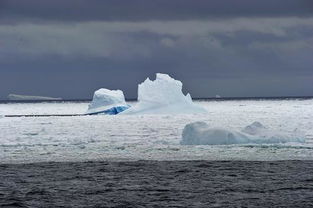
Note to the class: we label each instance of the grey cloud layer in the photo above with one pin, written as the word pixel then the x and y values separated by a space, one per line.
pixel 13 11
pixel 123 40
pixel 70 48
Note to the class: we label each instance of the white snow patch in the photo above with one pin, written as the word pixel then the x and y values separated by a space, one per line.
pixel 163 96
pixel 105 99
pixel 199 133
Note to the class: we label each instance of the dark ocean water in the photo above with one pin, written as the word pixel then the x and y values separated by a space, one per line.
pixel 158 184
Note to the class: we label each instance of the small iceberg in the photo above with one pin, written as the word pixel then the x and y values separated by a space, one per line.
pixel 262 134
pixel 199 133
pixel 163 96
pixel 16 97
pixel 107 101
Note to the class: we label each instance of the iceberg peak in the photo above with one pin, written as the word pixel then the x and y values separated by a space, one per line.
pixel 163 95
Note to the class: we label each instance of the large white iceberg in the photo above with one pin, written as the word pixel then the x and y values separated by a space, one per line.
pixel 199 133
pixel 107 101
pixel 163 95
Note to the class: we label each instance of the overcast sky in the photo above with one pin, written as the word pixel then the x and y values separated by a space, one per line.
pixel 231 48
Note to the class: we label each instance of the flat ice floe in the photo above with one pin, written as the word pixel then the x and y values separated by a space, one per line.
pixel 163 96
pixel 149 137
pixel 200 133
pixel 107 102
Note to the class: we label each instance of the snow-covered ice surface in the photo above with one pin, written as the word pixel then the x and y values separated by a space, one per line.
pixel 43 108
pixel 157 137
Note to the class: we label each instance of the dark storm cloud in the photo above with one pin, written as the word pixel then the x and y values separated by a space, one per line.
pixel 69 48
pixel 12 11
pixel 204 74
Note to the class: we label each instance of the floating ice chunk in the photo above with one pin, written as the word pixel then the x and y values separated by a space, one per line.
pixel 264 135
pixel 199 133
pixel 107 101
pixel 254 128
pixel 163 95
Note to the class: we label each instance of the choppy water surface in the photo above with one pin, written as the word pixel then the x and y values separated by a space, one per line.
pixel 158 184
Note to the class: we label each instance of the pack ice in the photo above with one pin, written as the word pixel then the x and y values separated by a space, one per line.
pixel 107 101
pixel 163 96
pixel 199 133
